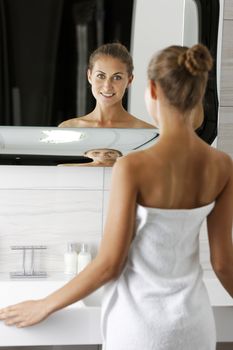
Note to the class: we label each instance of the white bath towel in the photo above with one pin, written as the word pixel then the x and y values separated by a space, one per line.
pixel 160 302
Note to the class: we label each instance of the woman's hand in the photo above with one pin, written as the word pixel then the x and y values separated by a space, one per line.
pixel 24 314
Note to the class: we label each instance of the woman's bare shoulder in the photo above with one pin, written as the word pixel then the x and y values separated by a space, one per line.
pixel 228 164
pixel 223 159
pixel 135 167
pixel 221 163
pixel 132 162
pixel 125 163
pixel 76 122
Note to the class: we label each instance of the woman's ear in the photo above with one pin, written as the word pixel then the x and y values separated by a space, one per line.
pixel 130 80
pixel 89 75
pixel 197 116
pixel 153 89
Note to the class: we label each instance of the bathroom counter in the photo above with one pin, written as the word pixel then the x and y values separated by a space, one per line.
pixel 76 324
pixel 80 322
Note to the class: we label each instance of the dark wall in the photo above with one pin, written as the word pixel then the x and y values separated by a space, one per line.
pixel 44 49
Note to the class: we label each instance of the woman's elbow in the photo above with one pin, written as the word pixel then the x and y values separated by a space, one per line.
pixel 223 268
pixel 109 270
pixel 113 271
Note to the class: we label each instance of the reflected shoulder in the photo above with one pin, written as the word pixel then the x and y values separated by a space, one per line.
pixel 74 122
pixel 147 125
pixel 69 123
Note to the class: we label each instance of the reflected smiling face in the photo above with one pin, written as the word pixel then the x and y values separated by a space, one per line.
pixel 109 79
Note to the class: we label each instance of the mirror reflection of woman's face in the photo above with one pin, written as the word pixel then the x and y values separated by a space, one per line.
pixel 103 155
pixel 109 79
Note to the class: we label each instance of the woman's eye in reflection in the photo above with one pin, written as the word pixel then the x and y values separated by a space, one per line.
pixel 100 76
pixel 117 77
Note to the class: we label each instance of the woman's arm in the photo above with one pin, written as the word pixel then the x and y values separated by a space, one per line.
pixel 219 224
pixel 108 264
pixel 117 237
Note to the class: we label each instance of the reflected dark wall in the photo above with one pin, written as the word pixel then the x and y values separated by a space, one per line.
pixel 208 35
pixel 29 39
pixel 44 49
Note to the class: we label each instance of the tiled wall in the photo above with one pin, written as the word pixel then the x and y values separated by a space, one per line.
pixel 52 206
pixel 49 206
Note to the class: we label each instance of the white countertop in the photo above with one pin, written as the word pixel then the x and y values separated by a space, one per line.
pixel 76 324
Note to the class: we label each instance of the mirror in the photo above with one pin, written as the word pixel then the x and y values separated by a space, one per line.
pixel 45 46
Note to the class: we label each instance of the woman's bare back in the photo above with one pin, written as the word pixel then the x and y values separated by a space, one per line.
pixel 187 175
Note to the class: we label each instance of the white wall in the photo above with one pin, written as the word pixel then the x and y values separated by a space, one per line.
pixel 48 206
pixel 156 24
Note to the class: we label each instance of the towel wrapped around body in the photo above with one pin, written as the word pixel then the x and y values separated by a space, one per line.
pixel 159 302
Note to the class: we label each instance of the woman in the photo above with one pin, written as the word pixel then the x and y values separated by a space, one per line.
pixel 110 73
pixel 155 298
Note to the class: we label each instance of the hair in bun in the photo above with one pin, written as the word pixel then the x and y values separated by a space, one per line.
pixel 182 74
pixel 196 59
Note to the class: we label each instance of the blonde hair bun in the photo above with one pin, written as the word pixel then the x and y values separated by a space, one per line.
pixel 196 59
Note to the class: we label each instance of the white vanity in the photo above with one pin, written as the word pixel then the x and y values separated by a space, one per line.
pixel 76 324
pixel 49 206
pixel 80 322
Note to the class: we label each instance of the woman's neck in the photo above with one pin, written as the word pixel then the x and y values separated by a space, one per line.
pixel 109 115
pixel 173 122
